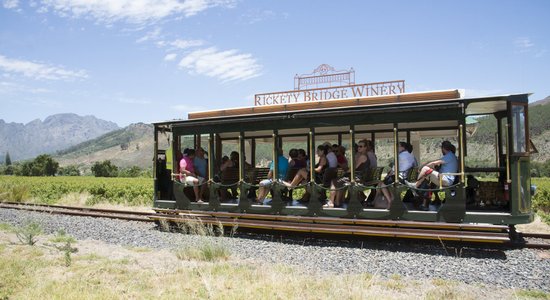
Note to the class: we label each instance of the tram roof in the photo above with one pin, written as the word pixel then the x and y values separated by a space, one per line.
pixel 474 105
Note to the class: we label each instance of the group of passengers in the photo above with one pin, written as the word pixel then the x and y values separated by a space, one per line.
pixel 193 170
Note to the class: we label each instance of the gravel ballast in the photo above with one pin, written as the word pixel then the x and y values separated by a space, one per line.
pixel 508 268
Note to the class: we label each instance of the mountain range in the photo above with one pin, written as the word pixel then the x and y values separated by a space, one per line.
pixel 56 132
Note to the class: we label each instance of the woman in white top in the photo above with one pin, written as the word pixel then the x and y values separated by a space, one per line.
pixel 331 158
pixel 406 161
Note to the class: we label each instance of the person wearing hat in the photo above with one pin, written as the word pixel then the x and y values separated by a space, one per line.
pixel 448 163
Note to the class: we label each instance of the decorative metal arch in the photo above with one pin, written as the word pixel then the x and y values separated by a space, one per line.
pixel 324 75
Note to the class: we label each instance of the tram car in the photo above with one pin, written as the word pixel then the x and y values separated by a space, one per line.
pixel 495 193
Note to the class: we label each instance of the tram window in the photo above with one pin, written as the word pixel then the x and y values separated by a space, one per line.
pixel 187 141
pixel 384 149
pixel 228 146
pixel 482 144
pixel 294 143
pixel 264 153
pixel 204 141
pixel 519 142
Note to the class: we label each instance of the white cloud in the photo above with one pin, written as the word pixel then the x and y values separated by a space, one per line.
pixel 38 70
pixel 180 44
pixel 184 44
pixel 170 57
pixel 253 16
pixel 131 11
pixel 523 43
pixel 10 4
pixel 526 46
pixel 151 35
pixel 225 65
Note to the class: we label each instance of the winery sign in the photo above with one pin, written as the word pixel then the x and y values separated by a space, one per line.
pixel 326 83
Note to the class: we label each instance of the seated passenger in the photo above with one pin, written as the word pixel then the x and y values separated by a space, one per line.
pixel 342 162
pixel 187 173
pixel 302 160
pixel 341 159
pixel 292 156
pixel 362 164
pixel 373 160
pixel 448 164
pixel 265 185
pixel 201 166
pixel 332 160
pixel 303 174
pixel 229 162
pixel 406 161
pixel 233 161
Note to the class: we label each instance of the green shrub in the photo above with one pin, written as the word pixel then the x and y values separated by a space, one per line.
pixel 104 169
pixel 14 193
pixel 62 237
pixel 28 234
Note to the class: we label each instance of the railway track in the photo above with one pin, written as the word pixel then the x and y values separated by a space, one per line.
pixel 465 233
pixel 80 211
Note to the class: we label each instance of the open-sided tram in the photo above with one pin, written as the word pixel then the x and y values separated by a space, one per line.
pixel 255 133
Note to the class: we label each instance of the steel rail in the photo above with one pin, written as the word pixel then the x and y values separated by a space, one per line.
pixel 535 245
pixel 80 211
pixel 105 210
pixel 477 233
pixel 536 235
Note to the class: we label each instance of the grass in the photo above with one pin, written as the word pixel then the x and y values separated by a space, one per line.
pixel 6 227
pixel 139 249
pixel 208 251
pixel 62 237
pixel 36 273
pixel 533 294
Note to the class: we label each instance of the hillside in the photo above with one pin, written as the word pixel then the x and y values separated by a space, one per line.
pixel 56 132
pixel 539 127
pixel 129 146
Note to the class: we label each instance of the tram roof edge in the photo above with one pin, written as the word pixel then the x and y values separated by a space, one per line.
pixel 335 103
pixel 425 97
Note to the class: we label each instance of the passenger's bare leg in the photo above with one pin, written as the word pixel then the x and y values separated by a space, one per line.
pixel 262 193
pixel 387 195
pixel 196 190
pixel 339 197
pixel 332 195
pixel 297 179
pixel 422 175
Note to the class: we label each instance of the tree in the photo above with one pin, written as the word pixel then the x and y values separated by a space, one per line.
pixel 44 165
pixel 134 171
pixel 104 169
pixel 23 169
pixel 8 159
pixel 8 170
pixel 70 170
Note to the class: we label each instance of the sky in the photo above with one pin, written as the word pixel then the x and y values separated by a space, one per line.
pixel 130 61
